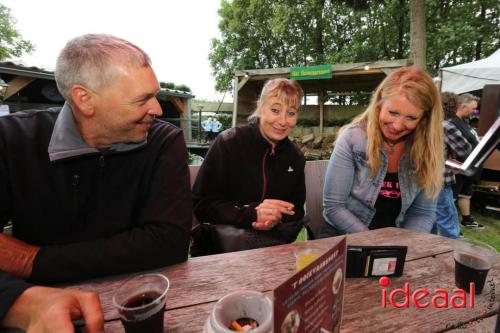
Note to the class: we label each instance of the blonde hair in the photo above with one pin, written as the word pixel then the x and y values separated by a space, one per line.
pixel 426 152
pixel 289 91
pixel 466 99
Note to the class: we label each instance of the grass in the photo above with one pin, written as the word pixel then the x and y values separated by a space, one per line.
pixel 302 235
pixel 491 232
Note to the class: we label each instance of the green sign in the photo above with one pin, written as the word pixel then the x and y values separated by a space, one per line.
pixel 311 72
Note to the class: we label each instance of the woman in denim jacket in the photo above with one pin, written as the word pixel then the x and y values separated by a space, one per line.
pixel 387 165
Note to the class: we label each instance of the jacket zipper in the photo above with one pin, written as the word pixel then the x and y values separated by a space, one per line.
pixel 264 178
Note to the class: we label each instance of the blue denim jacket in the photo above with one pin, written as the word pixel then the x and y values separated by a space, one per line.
pixel 350 193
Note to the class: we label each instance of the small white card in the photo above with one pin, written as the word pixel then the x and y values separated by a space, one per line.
pixel 384 266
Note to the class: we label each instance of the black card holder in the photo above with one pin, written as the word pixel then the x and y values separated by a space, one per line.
pixel 374 261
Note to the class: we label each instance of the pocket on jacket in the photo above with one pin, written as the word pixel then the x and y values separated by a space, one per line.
pixel 360 208
pixel 361 162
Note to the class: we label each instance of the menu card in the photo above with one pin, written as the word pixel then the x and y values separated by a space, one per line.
pixel 311 300
pixel 480 153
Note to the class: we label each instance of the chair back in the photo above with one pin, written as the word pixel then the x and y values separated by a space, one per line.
pixel 315 178
pixel 193 172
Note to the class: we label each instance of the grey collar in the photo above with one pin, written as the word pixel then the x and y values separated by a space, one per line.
pixel 66 140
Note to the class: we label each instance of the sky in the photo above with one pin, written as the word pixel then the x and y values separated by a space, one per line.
pixel 175 33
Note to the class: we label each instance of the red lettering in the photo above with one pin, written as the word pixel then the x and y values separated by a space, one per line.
pixel 443 297
pixel 439 299
pixel 472 292
pixel 406 293
pixel 460 296
pixel 417 296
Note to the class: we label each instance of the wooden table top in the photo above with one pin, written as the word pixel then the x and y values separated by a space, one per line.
pixel 198 283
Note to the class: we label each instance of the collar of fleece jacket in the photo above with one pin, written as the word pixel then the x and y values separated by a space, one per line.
pixel 262 142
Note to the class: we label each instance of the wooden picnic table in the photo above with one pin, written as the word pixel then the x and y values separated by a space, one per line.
pixel 197 284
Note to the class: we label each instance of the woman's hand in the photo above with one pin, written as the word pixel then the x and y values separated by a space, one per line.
pixel 270 212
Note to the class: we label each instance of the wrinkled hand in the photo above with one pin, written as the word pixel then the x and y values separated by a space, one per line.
pixel 270 213
pixel 51 310
pixel 16 257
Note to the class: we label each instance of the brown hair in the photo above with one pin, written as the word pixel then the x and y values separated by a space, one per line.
pixel 450 104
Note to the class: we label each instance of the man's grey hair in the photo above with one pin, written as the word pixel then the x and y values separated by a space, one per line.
pixel 466 99
pixel 90 60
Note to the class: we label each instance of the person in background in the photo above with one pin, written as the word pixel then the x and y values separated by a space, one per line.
pixel 462 190
pixel 253 176
pixel 207 129
pixel 456 146
pixel 387 166
pixel 216 126
pixel 95 188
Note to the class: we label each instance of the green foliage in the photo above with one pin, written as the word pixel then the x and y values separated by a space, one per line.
pixel 173 86
pixel 11 42
pixel 183 87
pixel 225 120
pixel 461 31
pixel 283 33
pixel 167 85
pixel 267 34
pixel 190 157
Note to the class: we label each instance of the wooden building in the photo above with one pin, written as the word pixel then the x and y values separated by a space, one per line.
pixel 35 88
pixel 344 79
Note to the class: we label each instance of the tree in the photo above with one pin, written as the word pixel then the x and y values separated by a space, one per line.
pixel 167 85
pixel 182 87
pixel 267 34
pixel 417 33
pixel 11 42
pixel 283 33
pixel 173 86
pixel 461 31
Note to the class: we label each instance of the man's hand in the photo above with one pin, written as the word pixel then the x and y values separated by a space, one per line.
pixel 270 212
pixel 16 257
pixel 51 310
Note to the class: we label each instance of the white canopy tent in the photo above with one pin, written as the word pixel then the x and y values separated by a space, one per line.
pixel 471 76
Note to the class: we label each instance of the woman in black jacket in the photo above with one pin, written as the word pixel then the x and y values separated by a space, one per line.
pixel 253 177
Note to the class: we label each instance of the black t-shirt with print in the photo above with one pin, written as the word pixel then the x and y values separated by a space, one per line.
pixel 388 204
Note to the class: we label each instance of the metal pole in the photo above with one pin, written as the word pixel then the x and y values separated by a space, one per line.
pixel 199 123
pixel 200 109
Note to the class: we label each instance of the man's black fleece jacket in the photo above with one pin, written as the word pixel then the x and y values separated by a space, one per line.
pixel 96 214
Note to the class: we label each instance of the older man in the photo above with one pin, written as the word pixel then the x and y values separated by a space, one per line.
pixel 94 188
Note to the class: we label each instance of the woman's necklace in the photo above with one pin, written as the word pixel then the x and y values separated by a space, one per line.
pixel 391 147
